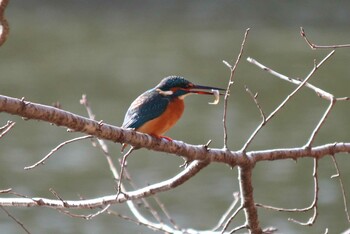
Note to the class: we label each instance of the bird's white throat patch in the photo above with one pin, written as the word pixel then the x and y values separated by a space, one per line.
pixel 165 93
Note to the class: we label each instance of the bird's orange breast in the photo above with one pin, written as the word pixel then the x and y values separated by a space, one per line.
pixel 166 120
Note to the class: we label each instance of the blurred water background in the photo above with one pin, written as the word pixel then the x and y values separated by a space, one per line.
pixel 114 50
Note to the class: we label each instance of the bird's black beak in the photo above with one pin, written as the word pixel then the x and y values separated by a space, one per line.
pixel 201 89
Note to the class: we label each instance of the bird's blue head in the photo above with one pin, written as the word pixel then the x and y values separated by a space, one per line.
pixel 179 87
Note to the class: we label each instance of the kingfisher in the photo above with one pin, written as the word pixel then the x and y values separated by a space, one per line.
pixel 157 110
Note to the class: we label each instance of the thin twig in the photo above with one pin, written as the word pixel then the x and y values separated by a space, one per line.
pixel 314 46
pixel 166 213
pixel 321 93
pixel 122 168
pixel 10 191
pixel 270 230
pixel 90 216
pixel 255 98
pixel 312 220
pixel 6 190
pixel 220 224
pixel 341 187
pixel 313 204
pixel 102 144
pixel 82 216
pixel 138 222
pixel 58 196
pixel 16 220
pixel 230 82
pixel 85 103
pixel 231 218
pixel 6 128
pixel 238 228
pixel 262 114
pixel 42 161
pixel 320 123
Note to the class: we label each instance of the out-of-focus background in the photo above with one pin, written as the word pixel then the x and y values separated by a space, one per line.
pixel 114 50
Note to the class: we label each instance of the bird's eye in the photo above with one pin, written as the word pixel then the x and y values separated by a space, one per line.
pixel 190 85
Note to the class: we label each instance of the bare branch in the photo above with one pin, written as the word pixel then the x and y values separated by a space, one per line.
pixel 6 190
pixel 314 203
pixel 229 220
pixel 150 225
pixel 314 46
pixel 321 93
pixel 263 121
pixel 198 156
pixel 312 206
pixel 42 161
pixel 228 212
pixel 320 123
pixel 255 98
pixel 238 228
pixel 4 26
pixel 247 198
pixel 166 185
pixel 6 128
pixel 283 103
pixel 230 82
pixel 122 166
pixel 78 123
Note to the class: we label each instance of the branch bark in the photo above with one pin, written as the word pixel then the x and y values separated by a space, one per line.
pixel 35 111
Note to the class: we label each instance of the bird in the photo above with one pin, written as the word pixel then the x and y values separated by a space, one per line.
pixel 158 109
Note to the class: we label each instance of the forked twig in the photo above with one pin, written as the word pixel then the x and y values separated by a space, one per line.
pixel 314 46
pixel 225 226
pixel 122 168
pixel 6 128
pixel 230 83
pixel 221 222
pixel 83 216
pixel 42 161
pixel 313 205
pixel 283 103
pixel 321 93
pixel 238 228
pixel 58 196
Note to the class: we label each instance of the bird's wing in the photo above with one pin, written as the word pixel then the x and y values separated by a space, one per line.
pixel 146 107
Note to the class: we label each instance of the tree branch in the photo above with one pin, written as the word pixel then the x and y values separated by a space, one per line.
pixel 78 123
pixel 166 185
pixel 230 83
pixel 314 46
pixel 4 26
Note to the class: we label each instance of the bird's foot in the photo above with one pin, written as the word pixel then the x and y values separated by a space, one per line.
pixel 166 138
pixel 162 137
